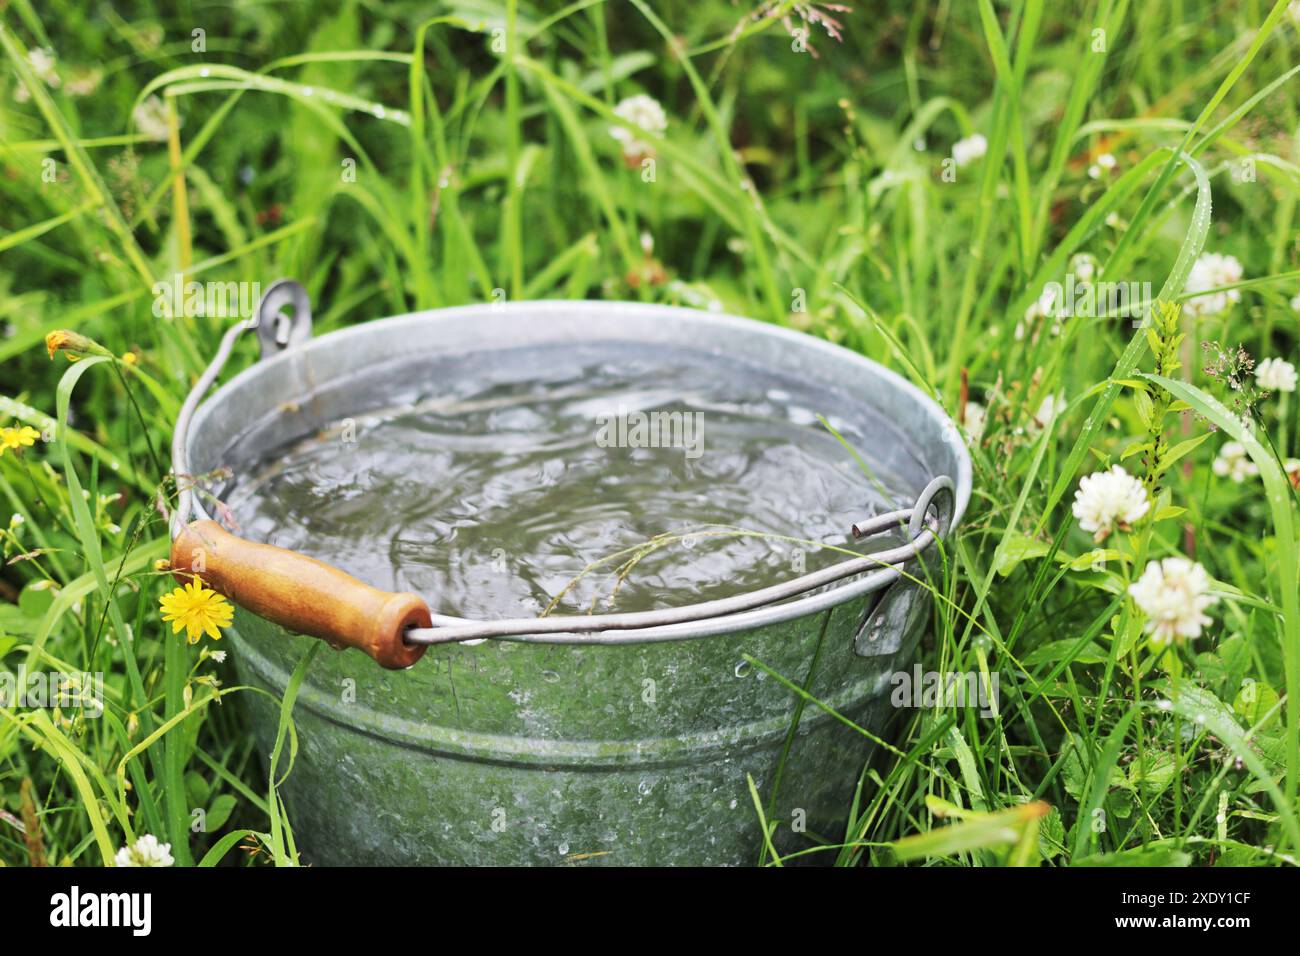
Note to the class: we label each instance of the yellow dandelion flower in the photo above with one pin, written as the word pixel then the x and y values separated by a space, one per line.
pixel 197 609
pixel 17 438
pixel 72 344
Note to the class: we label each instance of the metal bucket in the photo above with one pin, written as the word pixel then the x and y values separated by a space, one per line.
pixel 617 738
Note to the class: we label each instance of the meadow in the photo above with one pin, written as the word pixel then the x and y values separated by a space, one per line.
pixel 1073 224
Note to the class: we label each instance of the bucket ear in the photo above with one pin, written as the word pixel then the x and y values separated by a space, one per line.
pixel 301 594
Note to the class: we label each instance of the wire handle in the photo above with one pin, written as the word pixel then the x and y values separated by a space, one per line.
pixel 666 624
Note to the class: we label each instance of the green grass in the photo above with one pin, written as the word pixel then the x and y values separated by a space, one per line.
pixel 484 167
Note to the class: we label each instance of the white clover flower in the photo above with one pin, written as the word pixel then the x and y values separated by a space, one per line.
pixel 43 65
pixel 1042 307
pixel 1295 300
pixel 146 851
pixel 218 656
pixel 1049 408
pixel 1173 595
pixel 1084 267
pixel 85 81
pixel 966 151
pixel 643 111
pixel 1233 462
pixel 1107 500
pixel 972 420
pixel 1105 163
pixel 1276 375
pixel 150 118
pixel 1211 271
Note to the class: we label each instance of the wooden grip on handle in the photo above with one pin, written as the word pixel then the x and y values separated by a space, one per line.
pixel 301 593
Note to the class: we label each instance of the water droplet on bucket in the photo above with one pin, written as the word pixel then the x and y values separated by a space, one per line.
pixel 564 849
pixel 743 669
pixel 550 676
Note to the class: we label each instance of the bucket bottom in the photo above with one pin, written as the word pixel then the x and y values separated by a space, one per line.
pixel 358 800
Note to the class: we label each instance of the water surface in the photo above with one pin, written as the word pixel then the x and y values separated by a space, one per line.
pixel 489 483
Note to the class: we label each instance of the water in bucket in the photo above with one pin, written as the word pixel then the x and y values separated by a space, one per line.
pixel 605 477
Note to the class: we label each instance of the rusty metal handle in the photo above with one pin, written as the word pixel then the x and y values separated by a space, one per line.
pixel 300 593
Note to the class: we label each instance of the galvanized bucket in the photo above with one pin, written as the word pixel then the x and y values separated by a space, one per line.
pixel 613 738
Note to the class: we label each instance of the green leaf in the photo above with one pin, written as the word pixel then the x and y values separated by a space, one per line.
pixel 1051 835
pixel 1090 559
pixel 220 811
pixel 1015 549
pixel 198 789
pixel 1074 769
pixel 1255 702
pixel 1137 448
pixel 1182 448
pixel 15 620
pixel 1140 856
pixel 1152 773
pixel 1145 407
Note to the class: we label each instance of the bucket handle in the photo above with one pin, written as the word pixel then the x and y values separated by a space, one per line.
pixel 297 592
pixel 310 597
pixel 882 570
